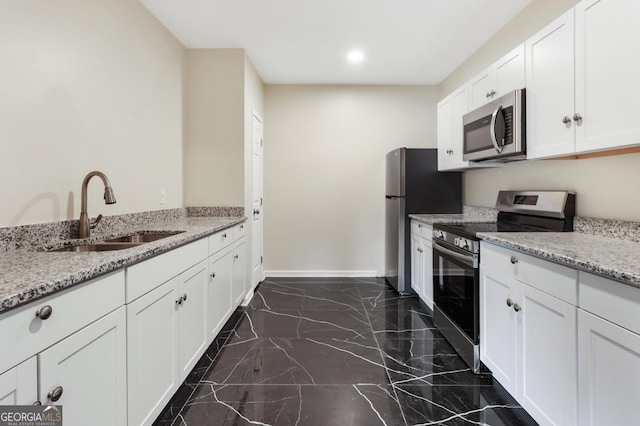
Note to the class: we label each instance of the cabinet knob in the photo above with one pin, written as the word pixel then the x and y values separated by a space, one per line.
pixel 566 119
pixel 241 227
pixel 509 302
pixel 514 260
pixel 44 312
pixel 235 257
pixel 517 307
pixel 212 275
pixel 224 235
pixel 55 394
pixel 488 95
pixel 179 301
pixel 256 211
pixel 184 297
pixel 577 117
pixel 419 250
pixel 37 403
pixel 419 226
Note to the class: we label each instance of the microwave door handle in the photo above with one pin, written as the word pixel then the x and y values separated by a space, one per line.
pixel 492 129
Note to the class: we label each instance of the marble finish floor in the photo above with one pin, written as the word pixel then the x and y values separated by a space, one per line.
pixel 335 351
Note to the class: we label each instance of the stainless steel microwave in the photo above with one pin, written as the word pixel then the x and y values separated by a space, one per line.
pixel 496 131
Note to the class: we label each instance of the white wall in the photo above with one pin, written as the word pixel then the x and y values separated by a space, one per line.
pixel 324 171
pixel 86 85
pixel 214 127
pixel 604 186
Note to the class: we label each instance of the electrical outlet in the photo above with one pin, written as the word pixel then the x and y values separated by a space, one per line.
pixel 163 196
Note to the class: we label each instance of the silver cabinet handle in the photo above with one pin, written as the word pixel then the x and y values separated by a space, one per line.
pixel 488 95
pixel 514 260
pixel 179 301
pixel 517 307
pixel 577 117
pixel 44 312
pixel 236 257
pixel 419 250
pixel 184 297
pixel 224 235
pixel 509 302
pixel 55 394
pixel 212 275
pixel 566 120
pixel 256 211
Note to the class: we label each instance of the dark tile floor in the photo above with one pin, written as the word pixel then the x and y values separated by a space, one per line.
pixel 333 351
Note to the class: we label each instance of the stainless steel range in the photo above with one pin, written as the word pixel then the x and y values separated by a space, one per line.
pixel 456 261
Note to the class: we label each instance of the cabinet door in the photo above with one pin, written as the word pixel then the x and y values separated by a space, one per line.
pixel 239 272
pixel 427 272
pixel 482 88
pixel 550 89
pixel 498 326
pixel 90 368
pixel 219 290
pixel 459 107
pixel 609 372
pixel 510 72
pixel 444 133
pixel 192 317
pixel 416 264
pixel 19 386
pixel 607 84
pixel 152 352
pixel 547 377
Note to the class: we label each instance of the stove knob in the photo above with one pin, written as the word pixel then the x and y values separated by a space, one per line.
pixel 464 243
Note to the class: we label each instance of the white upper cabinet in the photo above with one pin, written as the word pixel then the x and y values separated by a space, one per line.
pixel 582 81
pixel 550 90
pixel 607 74
pixel 504 76
pixel 450 130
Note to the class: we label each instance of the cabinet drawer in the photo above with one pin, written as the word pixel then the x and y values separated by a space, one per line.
pixel 239 231
pixel 553 279
pixel 145 276
pixel 614 301
pixel 422 229
pixel 220 240
pixel 23 334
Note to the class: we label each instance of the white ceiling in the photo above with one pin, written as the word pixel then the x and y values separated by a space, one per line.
pixel 307 41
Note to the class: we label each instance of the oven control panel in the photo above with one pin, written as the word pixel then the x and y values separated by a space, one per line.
pixel 463 243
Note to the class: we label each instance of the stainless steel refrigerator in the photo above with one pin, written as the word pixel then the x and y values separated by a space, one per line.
pixel 413 186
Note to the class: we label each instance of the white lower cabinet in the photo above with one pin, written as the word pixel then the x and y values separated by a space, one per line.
pixel 239 271
pixel 19 386
pixel 192 317
pixel 422 261
pixel 608 351
pixel 219 305
pixel 87 371
pixel 152 352
pixel 527 336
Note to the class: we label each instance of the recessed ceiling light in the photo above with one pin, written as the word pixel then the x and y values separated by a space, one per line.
pixel 355 56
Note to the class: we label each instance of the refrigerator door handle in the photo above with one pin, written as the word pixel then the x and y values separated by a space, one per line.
pixel 393 197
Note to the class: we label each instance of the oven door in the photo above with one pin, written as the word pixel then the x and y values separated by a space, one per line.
pixel 456 287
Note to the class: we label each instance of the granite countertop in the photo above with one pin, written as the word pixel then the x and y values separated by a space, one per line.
pixel 451 219
pixel 26 275
pixel 608 257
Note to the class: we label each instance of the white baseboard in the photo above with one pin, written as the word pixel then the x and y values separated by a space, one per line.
pixel 320 273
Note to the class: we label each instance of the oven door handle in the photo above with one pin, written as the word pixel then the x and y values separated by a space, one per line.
pixel 471 259
pixel 492 130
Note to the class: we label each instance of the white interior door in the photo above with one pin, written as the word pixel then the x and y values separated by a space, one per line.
pixel 257 270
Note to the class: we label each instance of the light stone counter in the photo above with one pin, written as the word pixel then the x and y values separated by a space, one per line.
pixel 26 275
pixel 612 258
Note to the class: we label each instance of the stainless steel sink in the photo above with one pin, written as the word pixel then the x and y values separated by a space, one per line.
pixel 144 237
pixel 98 247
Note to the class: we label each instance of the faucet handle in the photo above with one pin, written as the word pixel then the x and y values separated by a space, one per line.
pixel 96 221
